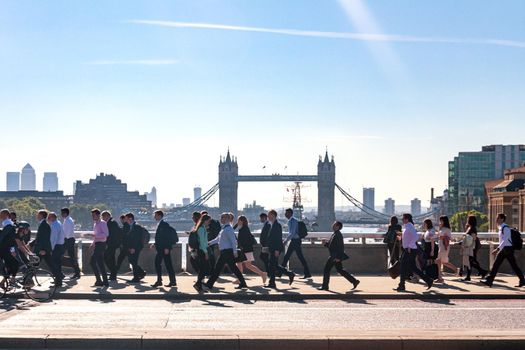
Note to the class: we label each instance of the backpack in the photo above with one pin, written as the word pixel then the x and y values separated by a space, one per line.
pixel 515 238
pixel 174 237
pixel 302 229
pixel 193 240
pixel 145 236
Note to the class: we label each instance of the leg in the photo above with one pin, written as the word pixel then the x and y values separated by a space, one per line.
pixel 158 266
pixel 299 252
pixel 512 261
pixel 219 265
pixel 253 268
pixel 344 273
pixel 266 261
pixel 495 267
pixel 272 266
pixel 122 255
pixel 202 262
pixel 288 254
pixel 133 258
pixel 109 259
pixel 233 267
pixel 475 264
pixel 240 266
pixel 72 253
pixel 93 264
pixel 169 267
pixel 326 274
pixel 406 268
pixel 101 247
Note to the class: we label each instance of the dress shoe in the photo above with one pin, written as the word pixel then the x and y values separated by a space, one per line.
pixel 323 288
pixel 157 284
pixel 76 276
pixel 356 283
pixel 242 286
pixel 98 284
pixel 198 288
pixel 400 289
pixel 292 277
pixel 487 283
pixel 305 277
pixel 135 280
pixel 430 283
pixel 521 284
pixel 271 286
pixel 171 284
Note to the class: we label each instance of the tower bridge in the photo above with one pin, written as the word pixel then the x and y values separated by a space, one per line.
pixel 229 179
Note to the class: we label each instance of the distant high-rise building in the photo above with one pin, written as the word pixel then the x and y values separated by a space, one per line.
pixel 50 183
pixel 197 193
pixel 28 178
pixel 369 197
pixel 469 171
pixel 186 201
pixel 415 207
pixel 390 206
pixel 152 196
pixel 12 181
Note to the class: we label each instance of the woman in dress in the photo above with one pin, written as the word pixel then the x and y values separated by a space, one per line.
pixel 245 242
pixel 445 235
pixel 430 247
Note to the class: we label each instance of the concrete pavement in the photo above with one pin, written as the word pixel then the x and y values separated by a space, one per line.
pixel 326 325
pixel 371 287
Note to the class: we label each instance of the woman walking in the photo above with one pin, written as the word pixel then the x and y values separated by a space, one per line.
pixel 444 237
pixel 390 239
pixel 245 242
pixel 430 247
pixel 201 253
pixel 469 251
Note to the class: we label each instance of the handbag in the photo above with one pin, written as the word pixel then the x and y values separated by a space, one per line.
pixel 431 269
pixel 395 269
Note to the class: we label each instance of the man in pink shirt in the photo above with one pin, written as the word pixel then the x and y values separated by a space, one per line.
pixel 100 234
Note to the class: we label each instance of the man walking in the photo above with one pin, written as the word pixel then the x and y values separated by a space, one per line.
pixel 163 244
pixel 505 250
pixel 112 244
pixel 295 243
pixel 124 250
pixel 100 236
pixel 275 247
pixel 135 245
pixel 57 246
pixel 42 243
pixel 265 231
pixel 228 252
pixel 68 227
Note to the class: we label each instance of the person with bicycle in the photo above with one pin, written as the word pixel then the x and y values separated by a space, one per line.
pixel 8 244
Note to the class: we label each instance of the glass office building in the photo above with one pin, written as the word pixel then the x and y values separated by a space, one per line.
pixel 469 171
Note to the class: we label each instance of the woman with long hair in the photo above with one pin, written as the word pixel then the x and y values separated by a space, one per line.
pixel 444 237
pixel 200 254
pixel 472 245
pixel 390 239
pixel 245 242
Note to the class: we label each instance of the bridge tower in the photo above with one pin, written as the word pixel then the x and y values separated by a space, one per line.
pixel 228 183
pixel 326 193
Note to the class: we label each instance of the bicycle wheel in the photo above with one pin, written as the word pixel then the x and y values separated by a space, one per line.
pixel 4 285
pixel 39 285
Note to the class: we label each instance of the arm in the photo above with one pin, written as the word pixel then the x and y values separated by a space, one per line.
pixel 215 240
pixel 292 229
pixel 506 236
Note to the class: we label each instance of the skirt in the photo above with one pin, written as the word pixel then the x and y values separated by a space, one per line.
pixel 249 256
pixel 443 255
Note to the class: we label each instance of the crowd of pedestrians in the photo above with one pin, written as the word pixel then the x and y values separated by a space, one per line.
pixel 227 245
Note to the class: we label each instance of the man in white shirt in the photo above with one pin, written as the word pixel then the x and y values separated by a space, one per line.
pixel 57 246
pixel 505 250
pixel 68 226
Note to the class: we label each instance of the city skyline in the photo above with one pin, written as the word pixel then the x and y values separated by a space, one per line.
pixel 155 93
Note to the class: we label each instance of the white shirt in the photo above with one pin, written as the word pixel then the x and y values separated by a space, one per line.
pixel 429 235
pixel 68 226
pixel 57 234
pixel 504 235
pixel 409 237
pixel 7 222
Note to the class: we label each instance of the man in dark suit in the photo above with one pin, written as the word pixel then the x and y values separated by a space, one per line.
pixel 163 244
pixel 124 251
pixel 212 228
pixel 337 254
pixel 42 243
pixel 265 231
pixel 8 244
pixel 275 248
pixel 135 245
pixel 113 242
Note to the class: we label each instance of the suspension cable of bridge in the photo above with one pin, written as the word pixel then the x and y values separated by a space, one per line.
pixel 374 213
pixel 201 200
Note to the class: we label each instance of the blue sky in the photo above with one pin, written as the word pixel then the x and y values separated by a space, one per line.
pixel 154 91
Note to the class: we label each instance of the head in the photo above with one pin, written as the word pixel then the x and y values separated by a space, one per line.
pixel 52 217
pixel 130 218
pixel 394 221
pixel 204 212
pixel 195 217
pixel 123 219
pixel 95 214
pixel 41 215
pixel 501 218
pixel 232 217
pixel 23 228
pixel 203 220
pixel 158 215
pixel 263 217
pixel 337 226
pixel 64 212
pixel 407 218
pixel 106 215
pixel 242 221
pixel 288 213
pixel 12 216
pixel 4 214
pixel 472 221
pixel 225 218
pixel 272 215
pixel 427 224
pixel 444 222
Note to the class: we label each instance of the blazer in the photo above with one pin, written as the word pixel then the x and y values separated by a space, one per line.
pixel 43 238
pixel 265 231
pixel 7 239
pixel 135 237
pixel 275 238
pixel 245 240
pixel 336 246
pixel 163 237
pixel 114 239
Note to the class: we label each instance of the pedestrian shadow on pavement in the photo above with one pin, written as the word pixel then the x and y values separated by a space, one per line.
pixel 450 286
pixel 440 301
pixel 358 301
